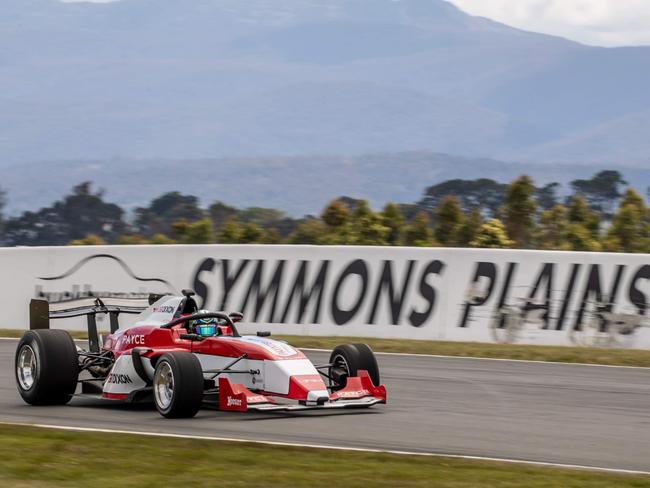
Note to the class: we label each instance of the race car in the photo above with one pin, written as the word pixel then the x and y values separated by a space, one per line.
pixel 181 358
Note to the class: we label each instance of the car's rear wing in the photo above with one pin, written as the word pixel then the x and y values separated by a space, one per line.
pixel 40 313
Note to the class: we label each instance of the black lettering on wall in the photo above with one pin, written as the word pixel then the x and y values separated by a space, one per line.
pixel 545 280
pixel 359 268
pixel 566 301
pixel 261 293
pixel 637 297
pixel 395 301
pixel 230 280
pixel 483 270
pixel 299 289
pixel 428 292
pixel 593 290
pixel 202 290
pixel 504 292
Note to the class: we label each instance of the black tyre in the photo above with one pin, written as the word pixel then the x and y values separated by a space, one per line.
pixel 47 367
pixel 347 360
pixel 178 385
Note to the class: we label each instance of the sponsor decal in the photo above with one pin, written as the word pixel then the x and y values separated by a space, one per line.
pixel 76 291
pixel 233 402
pixel 135 339
pixel 119 379
pixel 275 347
pixel 303 298
pixel 352 394
pixel 164 309
pixel 551 297
pixel 257 399
pixel 303 381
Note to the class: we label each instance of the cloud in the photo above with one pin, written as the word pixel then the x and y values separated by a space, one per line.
pixel 598 22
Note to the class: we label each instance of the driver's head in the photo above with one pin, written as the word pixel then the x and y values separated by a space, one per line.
pixel 204 327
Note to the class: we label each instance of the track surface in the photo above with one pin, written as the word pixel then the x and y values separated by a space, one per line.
pixel 568 414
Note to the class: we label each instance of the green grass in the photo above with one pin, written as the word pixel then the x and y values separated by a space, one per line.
pixel 32 457
pixel 614 357
pixel 617 357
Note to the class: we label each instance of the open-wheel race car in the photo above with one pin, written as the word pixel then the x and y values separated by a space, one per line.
pixel 181 358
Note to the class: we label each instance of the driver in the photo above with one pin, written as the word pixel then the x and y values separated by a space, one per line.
pixel 205 327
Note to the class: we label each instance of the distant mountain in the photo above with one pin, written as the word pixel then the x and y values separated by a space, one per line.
pixel 297 185
pixel 232 78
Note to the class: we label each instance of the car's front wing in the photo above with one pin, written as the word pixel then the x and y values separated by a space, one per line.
pixel 359 392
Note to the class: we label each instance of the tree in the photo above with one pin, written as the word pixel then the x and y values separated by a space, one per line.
pixel 271 236
pixel 581 214
pixel 89 240
pixel 251 233
pixel 219 212
pixel 132 239
pixel 77 215
pixel 418 233
pixel 263 217
pixel 393 220
pixel 580 238
pixel 630 229
pixel 553 229
pixel 199 232
pixel 310 231
pixel 230 232
pixel 492 234
pixel 519 211
pixel 164 210
pixel 336 214
pixel 449 221
pixel 161 239
pixel 485 194
pixel 601 191
pixel 367 228
pixel 546 196
pixel 350 203
pixel 468 231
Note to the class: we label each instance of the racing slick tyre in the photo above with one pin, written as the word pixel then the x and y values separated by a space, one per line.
pixel 178 385
pixel 47 367
pixel 347 359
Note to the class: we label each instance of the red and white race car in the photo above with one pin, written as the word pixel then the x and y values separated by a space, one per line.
pixel 181 358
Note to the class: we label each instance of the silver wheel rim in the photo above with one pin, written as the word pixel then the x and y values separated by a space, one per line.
pixel 26 367
pixel 163 385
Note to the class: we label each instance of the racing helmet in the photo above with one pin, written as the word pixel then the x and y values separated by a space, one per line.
pixel 204 327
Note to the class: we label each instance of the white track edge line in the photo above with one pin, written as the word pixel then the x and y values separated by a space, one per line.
pixel 441 356
pixel 336 448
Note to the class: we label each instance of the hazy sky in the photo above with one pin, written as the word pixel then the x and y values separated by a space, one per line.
pixel 599 22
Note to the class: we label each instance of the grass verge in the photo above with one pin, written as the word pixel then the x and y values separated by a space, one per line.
pixel 613 357
pixel 50 458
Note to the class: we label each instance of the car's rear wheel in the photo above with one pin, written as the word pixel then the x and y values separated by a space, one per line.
pixel 178 385
pixel 47 367
pixel 346 360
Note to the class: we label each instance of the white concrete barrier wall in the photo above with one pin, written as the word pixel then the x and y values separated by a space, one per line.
pixel 532 297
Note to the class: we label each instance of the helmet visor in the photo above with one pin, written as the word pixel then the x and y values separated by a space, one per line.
pixel 206 330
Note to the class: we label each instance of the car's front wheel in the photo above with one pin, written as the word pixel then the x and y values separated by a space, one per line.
pixel 47 367
pixel 346 360
pixel 178 385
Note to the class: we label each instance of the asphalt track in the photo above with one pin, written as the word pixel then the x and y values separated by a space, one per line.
pixel 552 413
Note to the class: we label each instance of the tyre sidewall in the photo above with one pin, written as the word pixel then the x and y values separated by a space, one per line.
pixel 358 357
pixel 188 385
pixel 57 367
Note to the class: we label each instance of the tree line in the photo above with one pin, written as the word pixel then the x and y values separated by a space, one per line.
pixel 598 214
